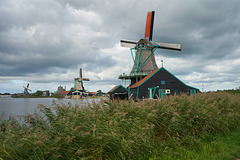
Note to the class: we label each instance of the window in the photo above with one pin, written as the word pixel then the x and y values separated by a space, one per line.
pixel 163 82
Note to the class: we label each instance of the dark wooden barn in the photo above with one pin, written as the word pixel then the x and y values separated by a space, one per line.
pixel 160 83
pixel 119 92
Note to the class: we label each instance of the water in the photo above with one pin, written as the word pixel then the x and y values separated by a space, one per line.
pixel 24 106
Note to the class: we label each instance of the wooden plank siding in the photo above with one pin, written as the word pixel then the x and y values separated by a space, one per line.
pixel 159 79
pixel 119 92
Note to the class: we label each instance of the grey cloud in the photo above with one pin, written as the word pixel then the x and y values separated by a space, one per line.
pixel 45 37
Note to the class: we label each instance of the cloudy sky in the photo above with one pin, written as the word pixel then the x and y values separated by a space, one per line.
pixel 45 42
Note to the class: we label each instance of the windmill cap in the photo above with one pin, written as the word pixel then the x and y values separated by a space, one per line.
pixel 145 42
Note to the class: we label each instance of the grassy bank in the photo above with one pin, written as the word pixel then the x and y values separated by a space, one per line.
pixel 180 127
pixel 221 146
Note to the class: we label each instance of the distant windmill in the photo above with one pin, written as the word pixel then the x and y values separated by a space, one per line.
pixel 143 52
pixel 26 89
pixel 78 82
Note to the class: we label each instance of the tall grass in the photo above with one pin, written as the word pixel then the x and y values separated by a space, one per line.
pixel 119 129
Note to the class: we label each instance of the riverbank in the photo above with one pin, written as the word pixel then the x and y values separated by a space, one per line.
pixel 31 96
pixel 54 96
pixel 178 127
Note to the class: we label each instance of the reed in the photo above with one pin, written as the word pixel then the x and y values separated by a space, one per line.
pixel 119 129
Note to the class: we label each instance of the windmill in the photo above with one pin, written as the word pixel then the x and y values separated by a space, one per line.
pixel 26 89
pixel 143 53
pixel 78 82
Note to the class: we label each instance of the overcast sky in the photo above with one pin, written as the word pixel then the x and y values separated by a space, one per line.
pixel 45 42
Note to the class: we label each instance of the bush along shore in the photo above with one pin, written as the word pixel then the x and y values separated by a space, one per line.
pixel 149 129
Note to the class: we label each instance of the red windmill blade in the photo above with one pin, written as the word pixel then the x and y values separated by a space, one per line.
pixel 149 25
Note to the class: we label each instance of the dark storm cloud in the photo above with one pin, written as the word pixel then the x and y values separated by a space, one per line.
pixel 206 28
pixel 39 35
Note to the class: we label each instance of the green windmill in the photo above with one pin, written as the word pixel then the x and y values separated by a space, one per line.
pixel 143 53
pixel 78 88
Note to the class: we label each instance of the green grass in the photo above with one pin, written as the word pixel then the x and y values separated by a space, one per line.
pixel 220 147
pixel 178 127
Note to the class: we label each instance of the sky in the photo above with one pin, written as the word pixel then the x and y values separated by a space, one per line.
pixel 45 42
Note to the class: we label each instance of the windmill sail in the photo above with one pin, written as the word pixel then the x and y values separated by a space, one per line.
pixel 169 46
pixel 86 79
pixel 149 25
pixel 129 44
pixel 80 73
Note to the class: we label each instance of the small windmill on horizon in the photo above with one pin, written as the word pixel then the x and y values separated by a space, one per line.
pixel 26 89
pixel 78 84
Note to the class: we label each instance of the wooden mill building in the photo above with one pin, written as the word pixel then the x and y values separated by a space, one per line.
pixel 158 84
pixel 147 80
pixel 119 92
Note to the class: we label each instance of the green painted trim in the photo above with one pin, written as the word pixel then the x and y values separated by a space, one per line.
pixel 74 84
pixel 139 54
pixel 178 79
pixel 115 89
pixel 162 68
pixel 163 82
pixel 161 94
pixel 143 53
pixel 148 57
pixel 193 92
pixel 118 87
pixel 155 88
pixel 192 87
pixel 149 77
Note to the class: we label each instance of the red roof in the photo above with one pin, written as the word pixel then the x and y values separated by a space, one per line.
pixel 143 80
pixel 113 89
pixel 93 93
pixel 64 93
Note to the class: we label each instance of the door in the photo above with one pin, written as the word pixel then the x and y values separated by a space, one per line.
pixel 163 93
pixel 193 92
pixel 152 92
